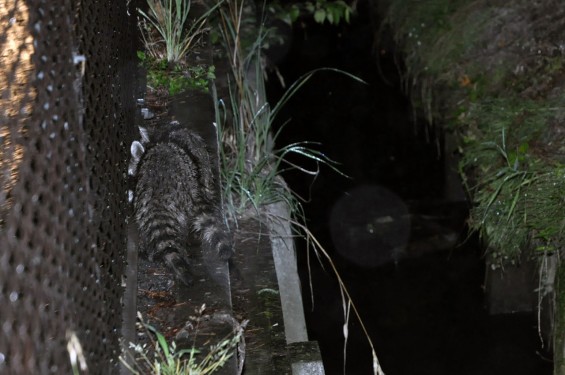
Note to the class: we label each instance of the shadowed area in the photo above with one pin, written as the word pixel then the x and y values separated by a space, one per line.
pixel 396 229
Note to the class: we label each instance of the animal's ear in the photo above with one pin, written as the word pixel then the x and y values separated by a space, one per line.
pixel 137 150
pixel 144 134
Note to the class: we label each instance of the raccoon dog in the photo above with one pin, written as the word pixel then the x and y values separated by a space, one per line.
pixel 176 196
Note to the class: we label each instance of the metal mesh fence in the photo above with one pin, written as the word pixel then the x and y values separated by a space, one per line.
pixel 67 106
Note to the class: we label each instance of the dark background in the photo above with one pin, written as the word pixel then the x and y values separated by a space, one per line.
pixel 425 312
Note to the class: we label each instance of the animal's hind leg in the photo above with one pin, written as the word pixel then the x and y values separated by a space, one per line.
pixel 180 266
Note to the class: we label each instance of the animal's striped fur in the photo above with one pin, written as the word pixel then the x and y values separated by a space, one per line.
pixel 176 194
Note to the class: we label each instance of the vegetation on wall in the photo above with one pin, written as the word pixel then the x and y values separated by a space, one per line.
pixel 520 194
pixel 176 78
pixel 489 82
pixel 492 74
pixel 170 31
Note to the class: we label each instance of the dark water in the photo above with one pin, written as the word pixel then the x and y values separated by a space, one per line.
pixel 403 251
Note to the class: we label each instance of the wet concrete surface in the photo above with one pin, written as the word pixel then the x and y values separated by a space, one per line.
pixel 173 308
pixel 256 297
pixel 200 314
pixel 194 316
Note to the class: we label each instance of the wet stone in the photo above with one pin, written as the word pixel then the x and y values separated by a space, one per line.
pixel 305 358
pixel 256 297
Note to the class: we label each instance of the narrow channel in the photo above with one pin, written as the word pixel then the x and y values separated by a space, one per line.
pixel 396 227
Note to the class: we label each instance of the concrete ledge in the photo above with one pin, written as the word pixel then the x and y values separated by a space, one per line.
pixel 287 273
pixel 303 355
pixel 266 290
pixel 305 358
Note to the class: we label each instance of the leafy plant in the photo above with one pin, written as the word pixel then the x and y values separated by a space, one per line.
pixel 177 79
pixel 332 11
pixel 515 188
pixel 249 163
pixel 498 196
pixel 165 30
pixel 164 358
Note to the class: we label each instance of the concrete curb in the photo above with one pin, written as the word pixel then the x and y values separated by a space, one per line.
pixel 303 355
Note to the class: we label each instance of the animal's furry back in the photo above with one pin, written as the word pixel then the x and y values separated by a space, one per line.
pixel 176 194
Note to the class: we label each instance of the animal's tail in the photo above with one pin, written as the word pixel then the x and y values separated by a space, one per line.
pixel 215 236
pixel 179 265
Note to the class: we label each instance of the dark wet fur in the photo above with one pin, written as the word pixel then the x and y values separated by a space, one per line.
pixel 176 196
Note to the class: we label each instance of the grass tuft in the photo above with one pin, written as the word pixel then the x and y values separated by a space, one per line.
pixel 164 358
pixel 167 31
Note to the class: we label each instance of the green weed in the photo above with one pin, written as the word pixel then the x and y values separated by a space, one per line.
pixel 165 28
pixel 249 163
pixel 334 12
pixel 178 78
pixel 164 358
